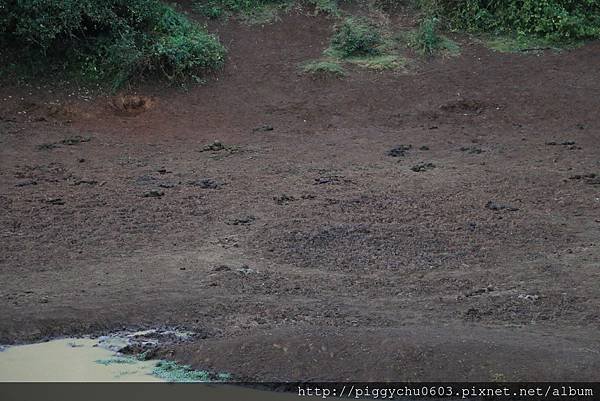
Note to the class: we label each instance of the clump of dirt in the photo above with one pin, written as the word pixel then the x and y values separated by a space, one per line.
pixel 399 151
pixel 284 199
pixel 472 150
pixel 464 106
pixel 62 111
pixel 131 104
pixel 495 206
pixel 422 167
pixel 207 183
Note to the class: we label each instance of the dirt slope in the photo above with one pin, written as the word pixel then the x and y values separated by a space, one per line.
pixel 309 251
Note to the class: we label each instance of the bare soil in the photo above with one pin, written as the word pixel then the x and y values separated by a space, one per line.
pixel 298 246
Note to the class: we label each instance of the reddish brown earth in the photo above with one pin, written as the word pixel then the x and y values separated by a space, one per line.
pixel 313 254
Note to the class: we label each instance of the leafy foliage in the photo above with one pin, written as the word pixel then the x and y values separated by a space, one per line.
pixel 427 40
pixel 113 39
pixel 558 20
pixel 357 37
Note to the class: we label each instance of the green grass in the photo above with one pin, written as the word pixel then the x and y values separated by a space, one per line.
pixel 251 12
pixel 323 68
pixel 176 373
pixel 262 15
pixel 379 63
pixel 514 44
pixel 117 360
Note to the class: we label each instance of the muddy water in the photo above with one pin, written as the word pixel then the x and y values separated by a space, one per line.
pixel 72 359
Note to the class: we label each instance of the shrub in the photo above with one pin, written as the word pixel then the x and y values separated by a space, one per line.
pixel 559 20
pixel 357 37
pixel 114 39
pixel 427 40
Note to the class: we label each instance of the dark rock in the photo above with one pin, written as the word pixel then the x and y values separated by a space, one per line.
pixel 263 128
pixel 244 220
pixel 497 207
pixel 471 150
pixel 422 167
pixel 153 194
pixel 25 183
pixel 399 151
pixel 75 140
pixel 207 183
pixel 54 201
pixel 215 146
pixel 283 199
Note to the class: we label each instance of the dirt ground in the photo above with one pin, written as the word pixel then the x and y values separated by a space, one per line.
pixel 442 224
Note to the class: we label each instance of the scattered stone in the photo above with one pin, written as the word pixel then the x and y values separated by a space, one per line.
pixel 221 268
pixel 590 179
pixel 283 199
pixel 582 176
pixel 399 151
pixel 167 185
pixel 422 167
pixel 48 146
pixel 330 179
pixel 25 183
pixel 89 182
pixel 473 150
pixel 145 180
pixel 497 207
pixel 479 291
pixel 529 297
pixel 215 146
pixel 54 201
pixel 207 183
pixel 593 181
pixel 153 194
pixel 263 128
pixel 424 147
pixel 81 160
pixel 244 220
pixel 245 269
pixel 75 140
pixel 163 171
pixel 473 314
pixel 564 143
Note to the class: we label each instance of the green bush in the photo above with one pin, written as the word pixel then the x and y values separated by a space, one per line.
pixel 427 40
pixel 357 37
pixel 114 40
pixel 559 20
